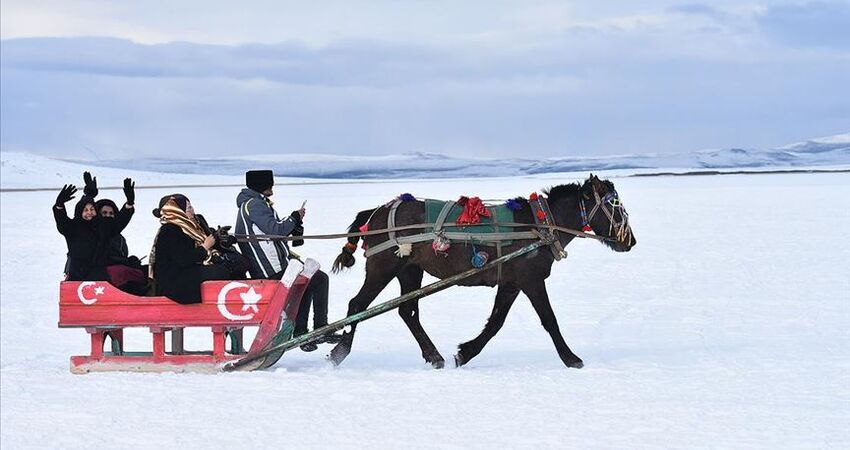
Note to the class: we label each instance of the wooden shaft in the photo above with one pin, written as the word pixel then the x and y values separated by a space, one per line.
pixel 380 309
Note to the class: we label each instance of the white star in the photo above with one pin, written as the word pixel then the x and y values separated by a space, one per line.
pixel 250 299
pixel 98 290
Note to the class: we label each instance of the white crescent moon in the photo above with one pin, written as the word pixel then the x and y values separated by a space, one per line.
pixel 82 297
pixel 222 297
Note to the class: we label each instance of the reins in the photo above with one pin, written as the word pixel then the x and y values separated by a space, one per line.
pixel 274 237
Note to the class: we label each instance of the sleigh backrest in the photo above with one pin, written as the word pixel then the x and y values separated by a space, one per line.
pixel 224 303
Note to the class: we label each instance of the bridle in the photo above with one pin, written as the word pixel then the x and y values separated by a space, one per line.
pixel 608 205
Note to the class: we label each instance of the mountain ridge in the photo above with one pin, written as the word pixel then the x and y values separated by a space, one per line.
pixel 830 150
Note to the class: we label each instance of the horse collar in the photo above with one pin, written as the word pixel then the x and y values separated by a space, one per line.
pixel 543 216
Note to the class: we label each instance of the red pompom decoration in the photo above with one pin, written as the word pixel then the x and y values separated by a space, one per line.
pixel 587 229
pixel 533 196
pixel 541 215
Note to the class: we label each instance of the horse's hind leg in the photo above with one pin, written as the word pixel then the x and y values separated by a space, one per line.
pixel 376 280
pixel 410 279
pixel 536 292
pixel 504 300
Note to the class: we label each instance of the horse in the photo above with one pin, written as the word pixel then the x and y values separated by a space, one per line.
pixel 569 204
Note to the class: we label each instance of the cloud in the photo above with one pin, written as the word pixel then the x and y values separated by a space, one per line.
pixel 626 80
pixel 814 24
pixel 697 9
pixel 348 63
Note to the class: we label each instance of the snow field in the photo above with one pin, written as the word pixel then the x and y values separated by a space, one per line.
pixel 726 326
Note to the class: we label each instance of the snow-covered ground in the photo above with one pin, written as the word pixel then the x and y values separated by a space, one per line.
pixel 728 325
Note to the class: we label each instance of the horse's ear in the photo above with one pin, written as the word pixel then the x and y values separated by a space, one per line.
pixel 598 185
pixel 586 188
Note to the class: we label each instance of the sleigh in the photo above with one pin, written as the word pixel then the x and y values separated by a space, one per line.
pixel 226 308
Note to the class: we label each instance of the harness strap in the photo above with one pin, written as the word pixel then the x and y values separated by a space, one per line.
pixel 444 213
pixel 543 216
pixel 391 223
pixel 495 218
pixel 490 240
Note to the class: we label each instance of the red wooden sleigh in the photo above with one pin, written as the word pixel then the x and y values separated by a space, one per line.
pixel 226 307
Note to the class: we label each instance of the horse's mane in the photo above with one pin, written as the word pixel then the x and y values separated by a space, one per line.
pixel 562 190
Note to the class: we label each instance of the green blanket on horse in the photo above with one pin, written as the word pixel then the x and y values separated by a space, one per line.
pixel 500 213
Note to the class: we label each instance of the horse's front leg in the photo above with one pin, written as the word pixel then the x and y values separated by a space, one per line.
pixel 536 292
pixel 410 279
pixel 376 281
pixel 505 297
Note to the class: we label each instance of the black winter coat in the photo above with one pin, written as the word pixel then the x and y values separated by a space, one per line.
pixel 178 266
pixel 118 250
pixel 89 241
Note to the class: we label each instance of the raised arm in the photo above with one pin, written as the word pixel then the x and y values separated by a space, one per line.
pixel 122 218
pixel 63 223
pixel 90 188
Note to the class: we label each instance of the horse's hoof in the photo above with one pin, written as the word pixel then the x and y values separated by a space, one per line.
pixel 338 354
pixel 439 364
pixel 459 360
pixel 575 365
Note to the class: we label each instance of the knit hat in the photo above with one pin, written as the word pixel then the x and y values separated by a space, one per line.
pixel 259 180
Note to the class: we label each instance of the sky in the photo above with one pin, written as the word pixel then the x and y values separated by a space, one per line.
pixel 105 79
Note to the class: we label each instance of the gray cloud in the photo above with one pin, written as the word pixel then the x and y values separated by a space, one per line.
pixel 648 84
pixel 353 63
pixel 815 24
pixel 699 9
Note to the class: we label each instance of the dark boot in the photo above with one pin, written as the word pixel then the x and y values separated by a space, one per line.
pixel 307 347
pixel 330 338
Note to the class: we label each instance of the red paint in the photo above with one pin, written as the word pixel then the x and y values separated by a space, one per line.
pixel 110 310
pixel 118 308
pixel 271 323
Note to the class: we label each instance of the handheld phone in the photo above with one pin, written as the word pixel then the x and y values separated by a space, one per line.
pixel 303 204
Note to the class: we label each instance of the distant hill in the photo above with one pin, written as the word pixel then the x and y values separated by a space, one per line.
pixel 829 151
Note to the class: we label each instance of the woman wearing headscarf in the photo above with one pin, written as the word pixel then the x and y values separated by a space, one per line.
pixel 87 235
pixel 184 254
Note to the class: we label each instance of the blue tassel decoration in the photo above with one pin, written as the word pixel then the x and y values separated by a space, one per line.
pixel 406 197
pixel 513 205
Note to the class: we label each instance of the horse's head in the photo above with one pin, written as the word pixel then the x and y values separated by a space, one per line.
pixel 604 213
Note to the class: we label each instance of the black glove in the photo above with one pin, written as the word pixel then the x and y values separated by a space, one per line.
pixel 66 194
pixel 296 217
pixel 298 231
pixel 129 191
pixel 90 189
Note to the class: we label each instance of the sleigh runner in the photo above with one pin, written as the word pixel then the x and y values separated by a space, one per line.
pixel 226 308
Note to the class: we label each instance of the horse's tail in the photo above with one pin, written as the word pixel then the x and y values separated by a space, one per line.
pixel 346 256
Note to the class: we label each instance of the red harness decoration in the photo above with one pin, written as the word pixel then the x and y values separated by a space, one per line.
pixel 473 209
pixel 364 229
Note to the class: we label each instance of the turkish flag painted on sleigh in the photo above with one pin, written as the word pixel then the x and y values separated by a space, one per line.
pixel 225 303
